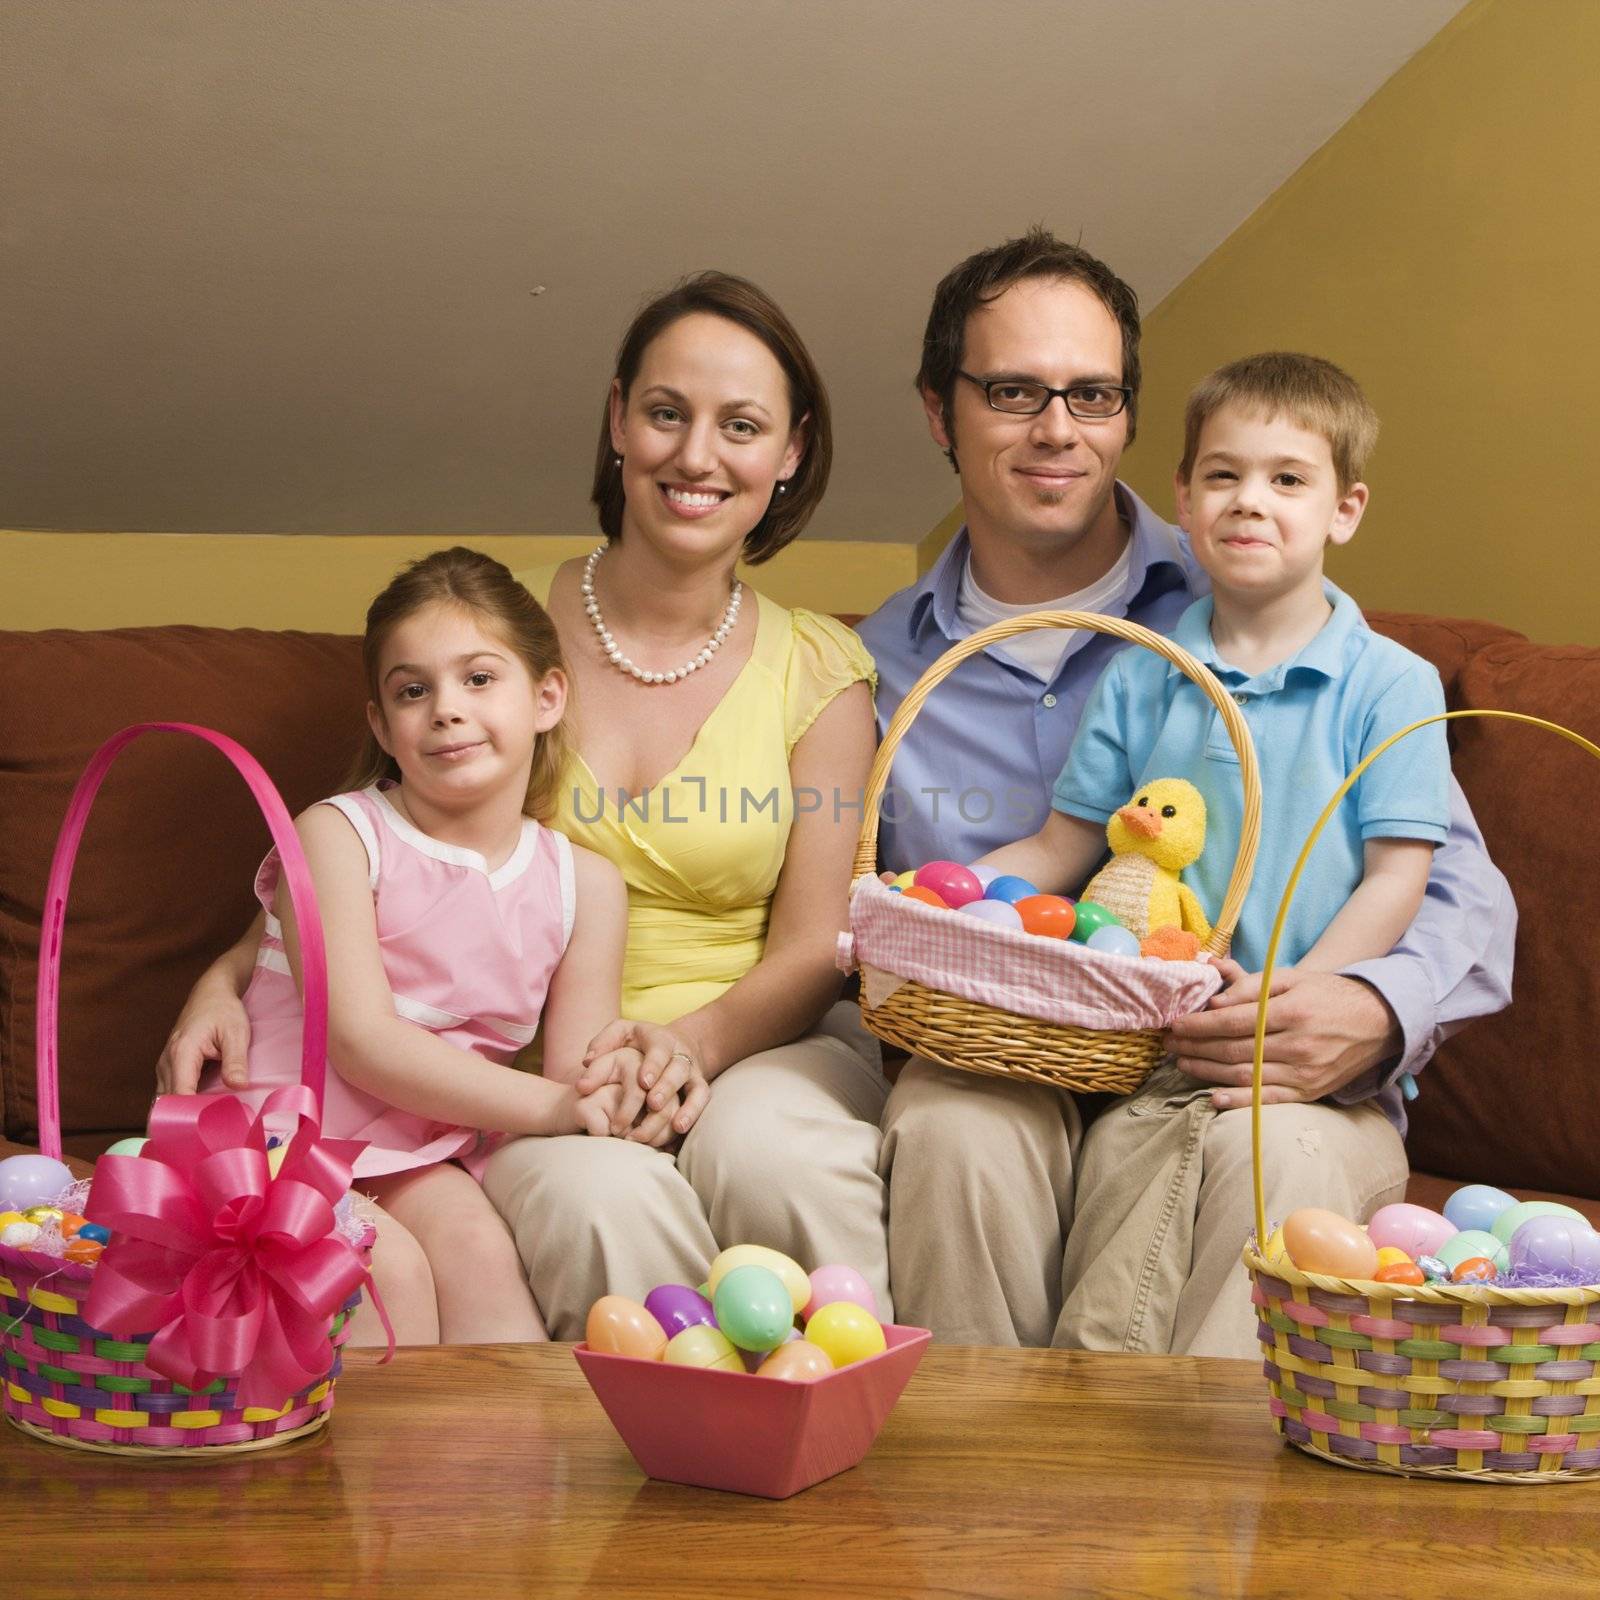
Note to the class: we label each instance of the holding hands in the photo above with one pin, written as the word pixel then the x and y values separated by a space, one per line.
pixel 660 1085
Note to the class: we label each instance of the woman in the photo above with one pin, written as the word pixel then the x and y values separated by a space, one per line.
pixel 701 711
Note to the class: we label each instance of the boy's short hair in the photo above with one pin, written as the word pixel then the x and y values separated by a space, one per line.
pixel 1312 393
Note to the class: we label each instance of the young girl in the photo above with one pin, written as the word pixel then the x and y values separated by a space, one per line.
pixel 456 923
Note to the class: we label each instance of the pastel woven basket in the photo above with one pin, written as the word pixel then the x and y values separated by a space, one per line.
pixel 962 1032
pixel 1436 1380
pixel 73 1384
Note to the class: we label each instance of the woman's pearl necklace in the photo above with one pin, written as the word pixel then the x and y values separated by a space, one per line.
pixel 613 651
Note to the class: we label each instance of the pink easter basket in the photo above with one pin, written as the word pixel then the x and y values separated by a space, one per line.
pixel 72 1383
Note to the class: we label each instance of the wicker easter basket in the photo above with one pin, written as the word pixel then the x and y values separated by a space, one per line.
pixel 64 1380
pixel 1433 1380
pixel 962 1032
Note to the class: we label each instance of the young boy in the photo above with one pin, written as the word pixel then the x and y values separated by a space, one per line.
pixel 1274 449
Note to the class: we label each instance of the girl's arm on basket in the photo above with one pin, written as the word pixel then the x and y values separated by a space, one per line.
pixel 212 1025
pixel 381 1053
pixel 795 981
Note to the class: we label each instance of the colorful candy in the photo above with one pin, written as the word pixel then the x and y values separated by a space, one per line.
pixel 1475 1269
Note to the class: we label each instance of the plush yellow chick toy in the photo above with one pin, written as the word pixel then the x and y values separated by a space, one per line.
pixel 1153 838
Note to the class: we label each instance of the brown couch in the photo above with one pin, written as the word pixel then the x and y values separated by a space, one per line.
pixel 163 878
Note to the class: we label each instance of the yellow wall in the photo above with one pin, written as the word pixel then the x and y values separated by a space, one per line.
pixel 1444 246
pixel 119 580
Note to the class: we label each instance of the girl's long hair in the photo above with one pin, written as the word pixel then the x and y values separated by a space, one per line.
pixel 479 584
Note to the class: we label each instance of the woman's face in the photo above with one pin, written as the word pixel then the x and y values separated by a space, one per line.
pixel 705 437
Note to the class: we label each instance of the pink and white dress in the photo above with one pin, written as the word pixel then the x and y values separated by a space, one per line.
pixel 469 956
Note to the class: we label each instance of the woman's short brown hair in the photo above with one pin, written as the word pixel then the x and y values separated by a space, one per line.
pixel 483 586
pixel 720 294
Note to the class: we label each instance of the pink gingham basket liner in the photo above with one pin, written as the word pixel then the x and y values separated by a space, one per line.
pixel 894 940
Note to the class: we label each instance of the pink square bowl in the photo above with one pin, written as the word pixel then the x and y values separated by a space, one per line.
pixel 733 1430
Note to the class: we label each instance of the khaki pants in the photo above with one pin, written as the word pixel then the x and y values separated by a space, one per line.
pixel 785 1154
pixel 992 1242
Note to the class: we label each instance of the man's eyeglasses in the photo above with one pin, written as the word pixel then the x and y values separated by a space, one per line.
pixel 1020 397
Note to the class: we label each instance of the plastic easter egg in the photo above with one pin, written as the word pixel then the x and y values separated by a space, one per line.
pixel 1475 1269
pixel 926 896
pixel 1399 1272
pixel 760 1255
pixel 43 1214
pixel 1114 940
pixel 1323 1241
pixel 1474 1208
pixel 846 1332
pixel 952 882
pixel 830 1284
pixel 800 1362
pixel 1463 1246
pixel 622 1327
pixel 1414 1229
pixel 1388 1256
pixel 1092 916
pixel 754 1308
pixel 1008 886
pixel 999 912
pixel 1049 915
pixel 8 1217
pixel 21 1235
pixel 95 1231
pixel 1554 1244
pixel 1507 1223
pixel 31 1180
pixel 127 1147
pixel 701 1345
pixel 1433 1269
pixel 676 1307
pixel 70 1224
pixel 903 880
pixel 84 1251
pixel 984 875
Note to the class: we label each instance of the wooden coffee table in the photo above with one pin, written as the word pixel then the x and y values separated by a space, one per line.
pixel 482 1472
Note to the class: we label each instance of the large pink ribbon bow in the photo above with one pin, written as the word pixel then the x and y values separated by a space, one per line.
pixel 235 1270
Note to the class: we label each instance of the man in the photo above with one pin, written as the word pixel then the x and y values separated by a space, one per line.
pixel 1006 1224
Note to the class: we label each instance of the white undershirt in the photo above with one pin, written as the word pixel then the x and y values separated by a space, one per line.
pixel 1040 651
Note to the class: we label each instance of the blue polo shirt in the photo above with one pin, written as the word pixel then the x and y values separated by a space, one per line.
pixel 1313 718
pixel 976 769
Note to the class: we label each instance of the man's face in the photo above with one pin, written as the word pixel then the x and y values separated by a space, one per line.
pixel 1043 483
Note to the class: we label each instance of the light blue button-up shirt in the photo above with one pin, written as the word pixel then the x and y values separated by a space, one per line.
pixel 977 767
pixel 1312 720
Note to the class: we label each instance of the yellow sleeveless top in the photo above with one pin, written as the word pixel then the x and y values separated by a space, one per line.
pixel 702 850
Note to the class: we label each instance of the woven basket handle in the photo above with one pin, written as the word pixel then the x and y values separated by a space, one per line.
pixel 1232 718
pixel 1288 895
pixel 296 875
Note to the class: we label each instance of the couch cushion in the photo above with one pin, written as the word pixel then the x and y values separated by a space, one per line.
pixel 163 877
pixel 1445 641
pixel 1511 1099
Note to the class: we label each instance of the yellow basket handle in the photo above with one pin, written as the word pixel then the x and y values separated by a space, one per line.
pixel 1092 622
pixel 1283 913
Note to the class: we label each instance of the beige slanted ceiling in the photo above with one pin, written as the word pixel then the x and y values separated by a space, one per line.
pixel 359 265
